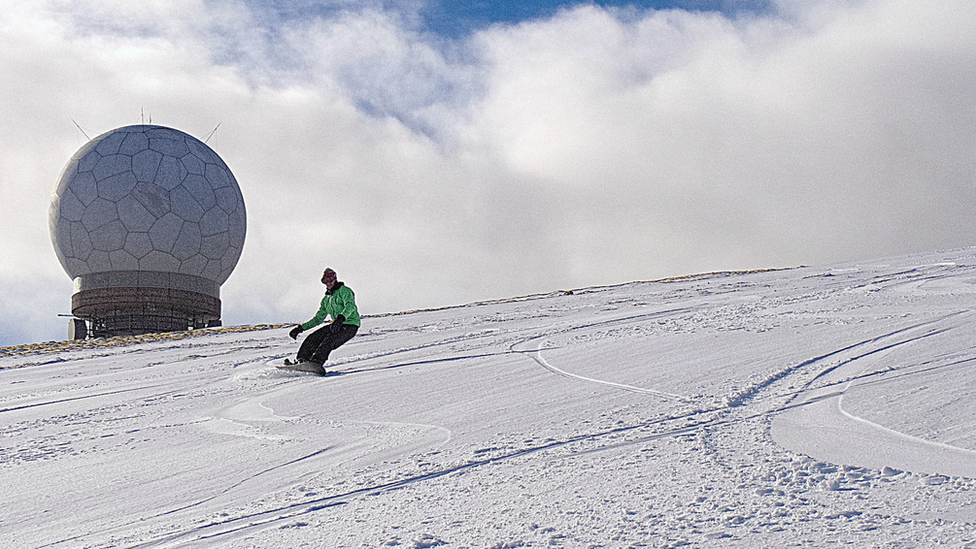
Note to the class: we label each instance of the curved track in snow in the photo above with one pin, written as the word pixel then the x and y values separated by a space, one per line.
pixel 817 424
pixel 535 351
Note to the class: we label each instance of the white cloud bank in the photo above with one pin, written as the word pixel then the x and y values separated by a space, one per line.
pixel 598 146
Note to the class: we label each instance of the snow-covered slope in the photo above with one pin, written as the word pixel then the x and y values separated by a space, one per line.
pixel 807 406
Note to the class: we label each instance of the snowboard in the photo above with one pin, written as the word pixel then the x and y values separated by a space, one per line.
pixel 294 366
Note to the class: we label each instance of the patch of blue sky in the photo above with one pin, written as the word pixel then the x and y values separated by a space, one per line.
pixel 455 19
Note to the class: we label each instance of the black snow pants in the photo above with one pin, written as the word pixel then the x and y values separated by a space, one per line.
pixel 323 341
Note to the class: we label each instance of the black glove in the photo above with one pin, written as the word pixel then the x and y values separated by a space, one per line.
pixel 295 331
pixel 337 324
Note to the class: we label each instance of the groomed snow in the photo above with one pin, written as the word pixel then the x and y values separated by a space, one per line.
pixel 809 406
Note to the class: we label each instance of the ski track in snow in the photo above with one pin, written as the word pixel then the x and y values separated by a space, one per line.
pixel 536 355
pixel 814 424
pixel 682 412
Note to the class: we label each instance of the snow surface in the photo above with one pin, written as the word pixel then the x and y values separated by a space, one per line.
pixel 810 406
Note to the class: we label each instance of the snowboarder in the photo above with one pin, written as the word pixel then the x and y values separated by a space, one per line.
pixel 339 304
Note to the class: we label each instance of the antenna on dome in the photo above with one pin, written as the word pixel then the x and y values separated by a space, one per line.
pixel 209 135
pixel 81 130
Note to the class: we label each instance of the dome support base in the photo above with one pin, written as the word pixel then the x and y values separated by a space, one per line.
pixel 117 311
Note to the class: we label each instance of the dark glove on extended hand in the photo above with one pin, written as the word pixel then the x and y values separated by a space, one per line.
pixel 295 331
pixel 337 324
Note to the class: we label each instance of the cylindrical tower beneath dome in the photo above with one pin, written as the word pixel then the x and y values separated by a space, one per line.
pixel 148 221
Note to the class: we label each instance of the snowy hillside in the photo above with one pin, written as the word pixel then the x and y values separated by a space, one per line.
pixel 809 406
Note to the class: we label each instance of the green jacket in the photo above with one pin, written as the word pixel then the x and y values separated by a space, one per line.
pixel 340 300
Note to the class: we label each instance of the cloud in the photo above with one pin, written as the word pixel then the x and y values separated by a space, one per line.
pixel 759 140
pixel 595 146
pixel 385 68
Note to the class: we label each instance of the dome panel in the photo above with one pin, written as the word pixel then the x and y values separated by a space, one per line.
pixel 54 208
pixel 108 237
pixel 169 147
pixel 160 132
pixel 54 212
pixel 88 163
pixel 109 144
pixel 87 156
pixel 115 187
pixel 227 199
pixel 238 228
pixel 184 205
pixel 228 262
pixel 188 243
pixel 213 271
pixel 214 221
pixel 194 165
pixel 152 197
pixel 112 165
pixel 123 261
pixel 67 174
pixel 200 150
pixel 145 164
pixel 84 186
pixel 159 261
pixel 165 232
pixel 61 235
pixel 138 244
pixel 215 245
pixel 170 173
pixel 193 265
pixel 133 143
pixel 99 262
pixel 134 215
pixel 201 190
pixel 99 213
pixel 70 207
pixel 76 266
pixel 217 176
pixel 81 246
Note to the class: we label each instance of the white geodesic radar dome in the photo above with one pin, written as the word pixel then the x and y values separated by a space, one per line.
pixel 147 198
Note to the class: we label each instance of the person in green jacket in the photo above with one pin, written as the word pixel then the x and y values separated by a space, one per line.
pixel 339 304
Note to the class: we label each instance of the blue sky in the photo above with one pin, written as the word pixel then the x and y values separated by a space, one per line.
pixel 456 19
pixel 437 154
